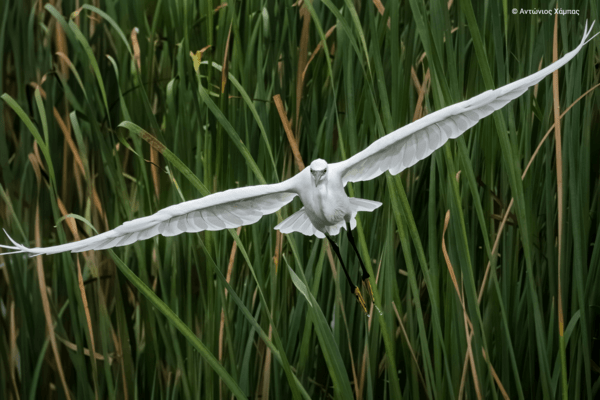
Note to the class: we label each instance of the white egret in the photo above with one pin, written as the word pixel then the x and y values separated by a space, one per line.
pixel 327 208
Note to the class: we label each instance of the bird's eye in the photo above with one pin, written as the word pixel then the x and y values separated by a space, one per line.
pixel 325 170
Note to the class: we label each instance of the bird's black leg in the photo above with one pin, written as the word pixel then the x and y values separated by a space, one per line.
pixel 365 274
pixel 353 288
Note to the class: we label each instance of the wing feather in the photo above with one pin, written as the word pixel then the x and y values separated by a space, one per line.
pixel 422 143
pixel 215 224
pixel 198 223
pixel 129 239
pixel 228 209
pixel 416 141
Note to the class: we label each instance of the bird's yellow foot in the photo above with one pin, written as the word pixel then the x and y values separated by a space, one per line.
pixel 369 289
pixel 360 300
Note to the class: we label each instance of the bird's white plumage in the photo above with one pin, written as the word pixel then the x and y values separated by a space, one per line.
pixel 229 209
pixel 413 142
pixel 327 208
pixel 300 221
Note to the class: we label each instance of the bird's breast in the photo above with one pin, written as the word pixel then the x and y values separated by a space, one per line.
pixel 334 212
pixel 326 206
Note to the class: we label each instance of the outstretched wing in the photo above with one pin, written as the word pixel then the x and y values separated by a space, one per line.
pixel 416 141
pixel 228 209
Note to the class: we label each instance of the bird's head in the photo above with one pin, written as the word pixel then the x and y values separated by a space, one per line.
pixel 318 169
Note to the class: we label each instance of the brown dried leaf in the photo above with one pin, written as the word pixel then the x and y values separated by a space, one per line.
pixel 46 304
pixel 288 131
pixel 447 258
pixel 316 51
pixel 14 350
pixel 423 89
pixel 136 48
pixel 72 346
pixel 559 176
pixel 225 57
pixel 381 10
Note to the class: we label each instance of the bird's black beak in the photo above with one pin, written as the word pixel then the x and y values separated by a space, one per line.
pixel 318 175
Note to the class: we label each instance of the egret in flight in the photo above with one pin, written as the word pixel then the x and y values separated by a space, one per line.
pixel 320 187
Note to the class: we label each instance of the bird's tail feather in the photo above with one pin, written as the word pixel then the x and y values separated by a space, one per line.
pixel 357 205
pixel 364 204
pixel 299 222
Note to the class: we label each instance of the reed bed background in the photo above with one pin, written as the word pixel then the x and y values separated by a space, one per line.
pixel 487 254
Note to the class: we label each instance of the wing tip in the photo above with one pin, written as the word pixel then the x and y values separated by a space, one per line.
pixel 17 248
pixel 587 32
